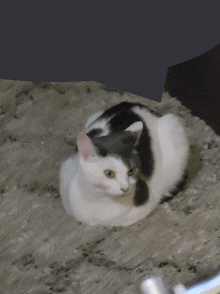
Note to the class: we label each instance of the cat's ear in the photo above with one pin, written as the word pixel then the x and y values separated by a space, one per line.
pixel 85 146
pixel 136 128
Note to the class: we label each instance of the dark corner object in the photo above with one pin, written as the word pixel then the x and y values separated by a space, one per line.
pixel 196 83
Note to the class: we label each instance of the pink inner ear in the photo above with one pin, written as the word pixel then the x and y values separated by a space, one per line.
pixel 85 146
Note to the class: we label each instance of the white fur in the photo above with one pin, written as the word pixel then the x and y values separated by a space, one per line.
pixel 88 202
pixel 92 124
pixel 92 118
pixel 136 127
pixel 92 171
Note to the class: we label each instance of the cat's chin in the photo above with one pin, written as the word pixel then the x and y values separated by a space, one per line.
pixel 118 195
pixel 109 194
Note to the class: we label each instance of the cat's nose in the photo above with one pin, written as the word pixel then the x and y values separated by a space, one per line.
pixel 125 189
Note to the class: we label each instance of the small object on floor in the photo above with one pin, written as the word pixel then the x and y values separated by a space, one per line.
pixel 209 284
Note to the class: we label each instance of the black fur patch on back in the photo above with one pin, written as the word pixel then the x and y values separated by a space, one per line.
pixel 116 109
pixel 141 193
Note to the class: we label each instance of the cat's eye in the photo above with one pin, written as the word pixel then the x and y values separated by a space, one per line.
pixel 132 171
pixel 109 173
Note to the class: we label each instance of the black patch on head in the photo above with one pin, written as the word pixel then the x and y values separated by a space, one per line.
pixel 93 133
pixel 122 121
pixel 121 144
pixel 122 117
pixel 141 193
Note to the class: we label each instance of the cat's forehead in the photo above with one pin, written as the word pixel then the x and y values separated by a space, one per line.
pixel 111 153
pixel 119 143
pixel 112 162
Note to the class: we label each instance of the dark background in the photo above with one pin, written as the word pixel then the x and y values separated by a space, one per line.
pixel 128 46
pixel 125 45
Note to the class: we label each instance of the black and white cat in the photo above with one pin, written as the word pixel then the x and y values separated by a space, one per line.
pixel 126 160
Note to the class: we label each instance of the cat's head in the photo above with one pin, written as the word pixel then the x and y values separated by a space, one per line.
pixel 111 163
